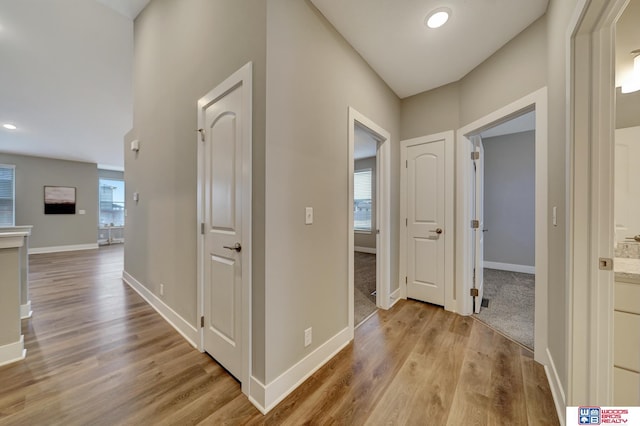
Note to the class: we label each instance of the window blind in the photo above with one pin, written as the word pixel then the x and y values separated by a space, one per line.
pixel 362 200
pixel 7 195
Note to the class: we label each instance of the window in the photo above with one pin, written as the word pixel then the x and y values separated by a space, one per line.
pixel 362 200
pixel 7 195
pixel 111 198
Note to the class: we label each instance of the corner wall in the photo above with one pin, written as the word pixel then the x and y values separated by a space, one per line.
pixel 313 76
pixel 55 231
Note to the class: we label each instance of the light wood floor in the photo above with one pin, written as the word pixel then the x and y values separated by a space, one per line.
pixel 99 355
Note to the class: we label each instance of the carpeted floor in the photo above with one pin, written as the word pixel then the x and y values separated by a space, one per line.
pixel 511 297
pixel 364 285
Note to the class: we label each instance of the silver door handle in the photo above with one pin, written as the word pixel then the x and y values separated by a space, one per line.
pixel 237 247
pixel 437 231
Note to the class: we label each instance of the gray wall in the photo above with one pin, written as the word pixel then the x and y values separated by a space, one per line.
pixel 183 49
pixel 361 238
pixel 32 174
pixel 627 109
pixel 559 13
pixel 313 76
pixel 509 198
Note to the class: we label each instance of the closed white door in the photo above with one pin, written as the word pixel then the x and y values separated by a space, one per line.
pixel 478 272
pixel 222 220
pixel 425 185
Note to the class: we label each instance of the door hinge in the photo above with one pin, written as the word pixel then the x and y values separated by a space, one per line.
pixel 475 155
pixel 406 222
pixel 202 321
pixel 202 228
pixel 475 292
pixel 406 164
pixel 201 134
pixel 605 264
pixel 406 280
pixel 475 224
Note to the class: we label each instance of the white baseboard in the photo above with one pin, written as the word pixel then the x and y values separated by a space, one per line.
pixel 182 326
pixel 56 249
pixel 12 352
pixel 370 250
pixel 394 297
pixel 267 397
pixel 25 310
pixel 525 269
pixel 556 387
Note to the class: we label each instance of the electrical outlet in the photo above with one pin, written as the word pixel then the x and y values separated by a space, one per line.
pixel 307 337
pixel 161 289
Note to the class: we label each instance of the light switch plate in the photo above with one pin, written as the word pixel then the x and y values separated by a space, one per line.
pixel 308 215
pixel 82 212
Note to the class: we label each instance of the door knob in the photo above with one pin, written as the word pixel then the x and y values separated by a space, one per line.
pixel 437 231
pixel 237 247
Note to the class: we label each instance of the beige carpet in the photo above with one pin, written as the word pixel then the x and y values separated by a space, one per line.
pixel 364 285
pixel 511 297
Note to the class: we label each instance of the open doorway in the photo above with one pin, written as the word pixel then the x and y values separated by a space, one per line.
pixel 369 218
pixel 504 249
pixel 364 223
pixel 471 290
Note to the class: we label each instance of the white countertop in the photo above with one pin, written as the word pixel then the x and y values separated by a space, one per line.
pixel 627 269
pixel 12 239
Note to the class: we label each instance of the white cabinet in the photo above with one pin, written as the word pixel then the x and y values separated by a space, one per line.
pixel 626 350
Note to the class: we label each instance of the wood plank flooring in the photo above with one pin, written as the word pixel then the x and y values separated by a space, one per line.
pixel 98 354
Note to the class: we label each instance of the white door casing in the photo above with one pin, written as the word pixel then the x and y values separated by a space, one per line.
pixel 224 210
pixel 426 219
pixel 591 124
pixel 383 213
pixel 478 281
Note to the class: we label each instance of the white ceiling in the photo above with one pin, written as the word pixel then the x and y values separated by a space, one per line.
pixel 65 80
pixel 411 58
pixel 66 74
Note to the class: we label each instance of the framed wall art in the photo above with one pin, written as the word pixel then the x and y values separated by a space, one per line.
pixel 59 200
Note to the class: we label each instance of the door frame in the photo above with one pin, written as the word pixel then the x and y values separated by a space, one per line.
pixel 464 237
pixel 591 153
pixel 243 77
pixel 449 216
pixel 383 212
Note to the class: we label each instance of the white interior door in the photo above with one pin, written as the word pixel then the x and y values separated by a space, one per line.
pixel 425 189
pixel 479 215
pixel 222 223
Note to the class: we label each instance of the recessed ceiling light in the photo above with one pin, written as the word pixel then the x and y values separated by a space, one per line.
pixel 9 126
pixel 437 18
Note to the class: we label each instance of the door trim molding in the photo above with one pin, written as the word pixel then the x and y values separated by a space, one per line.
pixel 383 212
pixel 464 236
pixel 243 77
pixel 590 131
pixel 449 215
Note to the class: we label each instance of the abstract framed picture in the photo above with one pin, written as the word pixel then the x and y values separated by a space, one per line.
pixel 59 200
